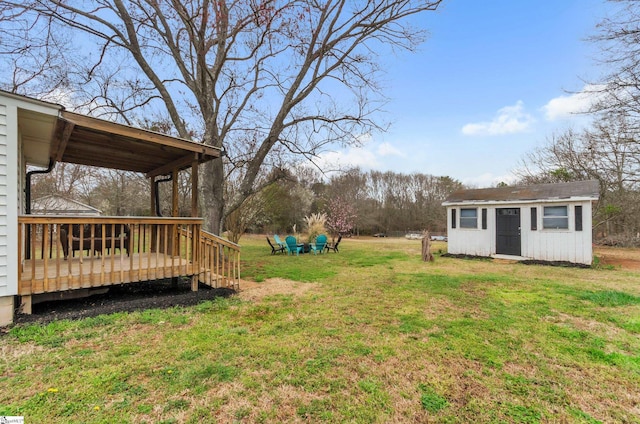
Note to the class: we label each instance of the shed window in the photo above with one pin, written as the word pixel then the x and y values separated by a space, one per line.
pixel 534 218
pixel 484 218
pixel 555 217
pixel 453 218
pixel 578 211
pixel 469 218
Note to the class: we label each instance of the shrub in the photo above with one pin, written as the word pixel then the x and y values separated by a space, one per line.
pixel 315 225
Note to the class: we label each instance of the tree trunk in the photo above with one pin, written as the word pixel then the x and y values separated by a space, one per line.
pixel 213 196
pixel 426 247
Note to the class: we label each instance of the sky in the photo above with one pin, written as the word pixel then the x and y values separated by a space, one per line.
pixel 494 80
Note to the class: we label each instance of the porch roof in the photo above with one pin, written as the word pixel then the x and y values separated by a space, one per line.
pixel 50 132
pixel 85 140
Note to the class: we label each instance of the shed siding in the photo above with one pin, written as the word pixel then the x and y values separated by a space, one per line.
pixel 541 244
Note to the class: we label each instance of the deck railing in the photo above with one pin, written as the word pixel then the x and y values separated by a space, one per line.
pixel 59 253
pixel 219 261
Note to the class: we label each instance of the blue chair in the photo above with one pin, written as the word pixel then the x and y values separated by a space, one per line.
pixel 318 246
pixel 293 246
pixel 279 242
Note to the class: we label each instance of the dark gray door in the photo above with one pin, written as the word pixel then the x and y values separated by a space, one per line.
pixel 508 231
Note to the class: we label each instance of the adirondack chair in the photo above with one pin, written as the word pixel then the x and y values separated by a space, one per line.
pixel 318 246
pixel 112 240
pixel 274 249
pixel 333 246
pixel 293 246
pixel 279 242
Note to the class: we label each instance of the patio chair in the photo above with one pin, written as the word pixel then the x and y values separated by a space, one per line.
pixel 333 246
pixel 293 246
pixel 279 242
pixel 318 246
pixel 274 249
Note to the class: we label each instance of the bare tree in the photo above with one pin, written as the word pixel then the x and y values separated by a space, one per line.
pixel 120 193
pixel 250 213
pixel 261 79
pixel 617 36
pixel 609 151
pixel 66 180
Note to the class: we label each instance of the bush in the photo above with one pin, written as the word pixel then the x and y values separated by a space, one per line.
pixel 619 240
pixel 315 226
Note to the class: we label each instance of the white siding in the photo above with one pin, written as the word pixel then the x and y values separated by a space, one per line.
pixel 12 166
pixel 8 199
pixel 471 241
pixel 540 244
pixel 560 245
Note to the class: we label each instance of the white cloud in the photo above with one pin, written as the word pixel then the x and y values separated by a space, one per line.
pixel 351 157
pixel 564 107
pixel 386 149
pixel 61 97
pixel 488 180
pixel 367 156
pixel 508 120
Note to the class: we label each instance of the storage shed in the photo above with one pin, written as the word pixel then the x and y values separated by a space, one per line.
pixel 547 222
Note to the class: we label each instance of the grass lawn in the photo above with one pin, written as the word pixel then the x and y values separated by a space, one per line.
pixel 368 335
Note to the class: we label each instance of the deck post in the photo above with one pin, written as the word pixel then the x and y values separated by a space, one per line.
pixel 6 310
pixel 25 304
pixel 154 212
pixel 194 187
pixel 174 194
pixel 194 282
pixel 154 193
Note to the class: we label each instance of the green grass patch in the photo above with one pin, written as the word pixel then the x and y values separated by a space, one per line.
pixel 430 400
pixel 610 298
pixel 380 337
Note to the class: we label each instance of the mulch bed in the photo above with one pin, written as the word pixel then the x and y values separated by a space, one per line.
pixel 524 262
pixel 123 298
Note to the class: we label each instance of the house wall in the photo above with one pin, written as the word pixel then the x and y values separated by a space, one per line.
pixel 540 244
pixel 12 166
pixel 8 209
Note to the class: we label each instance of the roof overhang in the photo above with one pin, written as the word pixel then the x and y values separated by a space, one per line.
pixel 90 141
pixel 519 202
pixel 575 191
pixel 48 132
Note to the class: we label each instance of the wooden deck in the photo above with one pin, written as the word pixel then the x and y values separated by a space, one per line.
pixel 44 276
pixel 152 249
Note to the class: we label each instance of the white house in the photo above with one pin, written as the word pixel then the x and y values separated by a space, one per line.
pixel 26 126
pixel 547 222
pixel 33 260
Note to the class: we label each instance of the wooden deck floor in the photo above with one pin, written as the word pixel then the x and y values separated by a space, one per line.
pixel 52 275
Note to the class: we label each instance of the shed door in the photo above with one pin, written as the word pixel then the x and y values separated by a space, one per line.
pixel 508 231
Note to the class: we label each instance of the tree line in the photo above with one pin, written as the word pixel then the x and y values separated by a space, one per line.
pixel 371 201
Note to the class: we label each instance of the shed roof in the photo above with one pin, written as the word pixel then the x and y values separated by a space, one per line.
pixel 574 190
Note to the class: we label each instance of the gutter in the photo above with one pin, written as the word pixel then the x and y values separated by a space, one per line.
pixel 518 202
pixel 27 199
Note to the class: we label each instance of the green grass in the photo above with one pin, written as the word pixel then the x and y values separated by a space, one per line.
pixel 369 335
